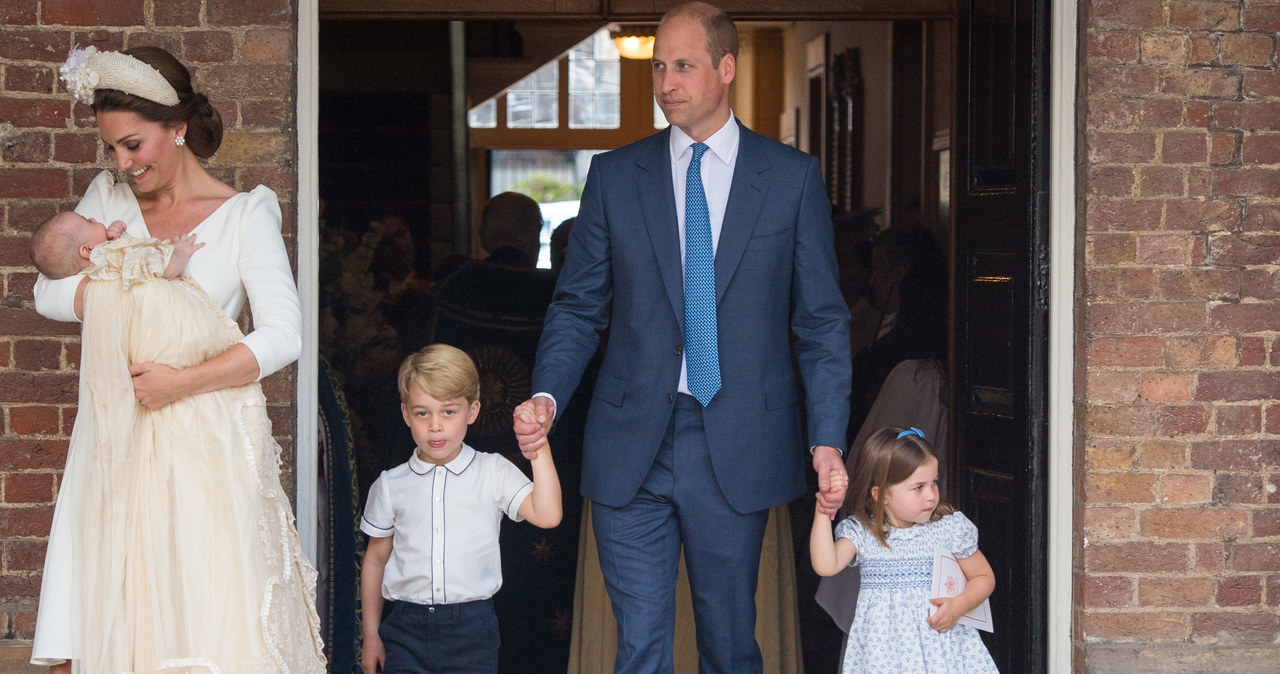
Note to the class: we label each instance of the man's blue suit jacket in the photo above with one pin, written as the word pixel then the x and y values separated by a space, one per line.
pixel 775 274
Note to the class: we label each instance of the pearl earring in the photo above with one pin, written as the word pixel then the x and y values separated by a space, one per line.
pixel 179 141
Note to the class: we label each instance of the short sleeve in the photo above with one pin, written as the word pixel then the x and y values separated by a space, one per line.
pixel 852 529
pixel 276 339
pixel 379 517
pixel 511 487
pixel 963 535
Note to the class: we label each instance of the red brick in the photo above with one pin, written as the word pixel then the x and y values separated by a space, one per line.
pixel 1122 420
pixel 1119 283
pixel 1110 249
pixel 25 215
pixel 1261 17
pixel 1164 49
pixel 208 46
pixel 265 113
pixel 17 13
pixel 1234 454
pixel 1126 351
pixel 1252 317
pixel 1122 214
pixel 1255 557
pixel 1121 148
pixel 68 420
pixel 1124 80
pixel 72 352
pixel 177 13
pixel 1111 387
pixel 22 556
pixel 1198 283
pixel 1238 419
pixel 1266 523
pixel 34 112
pixel 1261 149
pixel 25 522
pixel 33 420
pixel 1200 182
pixel 14 251
pixel 1248 49
pixel 1159 181
pixel 1262 217
pixel 257 80
pixel 1172 524
pixel 1210 557
pixel 33 45
pixel 1109 524
pixel 1112 47
pixel 1102 455
pixel 29 488
pixel 1110 317
pixel 1202 83
pixel 37 354
pixel 1157 114
pixel 1241 628
pixel 232 13
pixel 24 625
pixel 1200 352
pixel 1126 14
pixel 6 357
pixel 167 40
pixel 268 46
pixel 1203 50
pixel 32 79
pixel 1261 84
pixel 101 13
pixel 1197 15
pixel 1108 592
pixel 1120 488
pixel 44 388
pixel 21 588
pixel 1248 116
pixel 1184 148
pixel 1224 149
pixel 1181 489
pixel 1134 626
pixel 1273 417
pixel 1198 215
pixel 33 183
pixel 75 148
pixel 1183 420
pixel 1162 453
pixel 1273 590
pixel 1165 249
pixel 1179 591
pixel 32 454
pixel 1135 557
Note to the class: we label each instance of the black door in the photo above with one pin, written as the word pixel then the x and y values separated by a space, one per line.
pixel 1001 286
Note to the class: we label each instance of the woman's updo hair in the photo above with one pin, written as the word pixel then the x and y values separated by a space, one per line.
pixel 204 124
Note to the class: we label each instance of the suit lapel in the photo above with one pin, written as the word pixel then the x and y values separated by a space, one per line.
pixel 658 201
pixel 746 200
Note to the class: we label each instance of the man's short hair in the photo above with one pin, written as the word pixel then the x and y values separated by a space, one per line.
pixel 442 372
pixel 722 34
pixel 511 220
pixel 54 245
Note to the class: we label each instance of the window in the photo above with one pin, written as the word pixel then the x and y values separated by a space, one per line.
pixel 595 83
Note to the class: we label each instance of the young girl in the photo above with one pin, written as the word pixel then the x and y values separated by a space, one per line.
pixel 896 522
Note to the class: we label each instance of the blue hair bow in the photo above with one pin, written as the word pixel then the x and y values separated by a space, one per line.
pixel 911 431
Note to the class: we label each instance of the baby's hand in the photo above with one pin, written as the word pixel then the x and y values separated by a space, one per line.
pixel 115 230
pixel 186 244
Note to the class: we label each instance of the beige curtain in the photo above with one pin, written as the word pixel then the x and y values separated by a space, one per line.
pixel 594 643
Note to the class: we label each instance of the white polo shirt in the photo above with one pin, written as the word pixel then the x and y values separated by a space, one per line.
pixel 444 521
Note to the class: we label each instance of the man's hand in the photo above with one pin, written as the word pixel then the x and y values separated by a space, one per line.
pixel 532 420
pixel 829 464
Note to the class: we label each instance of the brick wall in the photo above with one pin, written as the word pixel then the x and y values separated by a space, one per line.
pixel 1178 567
pixel 242 54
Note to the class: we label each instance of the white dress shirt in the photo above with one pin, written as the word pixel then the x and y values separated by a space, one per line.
pixel 717 177
pixel 445 522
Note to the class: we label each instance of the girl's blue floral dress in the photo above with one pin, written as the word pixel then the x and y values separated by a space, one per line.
pixel 890 631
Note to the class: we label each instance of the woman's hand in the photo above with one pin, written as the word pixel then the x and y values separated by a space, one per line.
pixel 156 385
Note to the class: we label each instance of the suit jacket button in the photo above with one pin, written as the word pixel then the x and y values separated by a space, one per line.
pixel 679 350
pixel 670 399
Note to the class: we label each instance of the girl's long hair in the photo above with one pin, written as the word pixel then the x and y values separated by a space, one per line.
pixel 886 460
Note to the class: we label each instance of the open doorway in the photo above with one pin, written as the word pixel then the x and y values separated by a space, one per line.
pixel 410 165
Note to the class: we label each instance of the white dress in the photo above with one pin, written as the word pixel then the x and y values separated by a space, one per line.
pixel 890 631
pixel 196 494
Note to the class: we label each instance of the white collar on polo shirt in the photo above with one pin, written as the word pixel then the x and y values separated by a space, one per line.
pixel 456 466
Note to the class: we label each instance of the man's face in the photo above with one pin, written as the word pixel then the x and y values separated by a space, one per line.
pixel 692 91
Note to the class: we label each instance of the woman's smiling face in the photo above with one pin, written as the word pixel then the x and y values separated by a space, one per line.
pixel 143 149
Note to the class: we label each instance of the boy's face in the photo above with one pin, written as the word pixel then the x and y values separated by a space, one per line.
pixel 438 426
pixel 92 232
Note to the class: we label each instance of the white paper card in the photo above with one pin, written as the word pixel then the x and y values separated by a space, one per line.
pixel 949 581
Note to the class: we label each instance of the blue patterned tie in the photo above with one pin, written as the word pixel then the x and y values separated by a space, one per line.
pixel 700 341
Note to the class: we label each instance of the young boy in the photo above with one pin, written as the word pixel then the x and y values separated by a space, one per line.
pixel 433 525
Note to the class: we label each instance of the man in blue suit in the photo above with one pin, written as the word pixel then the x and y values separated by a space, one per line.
pixel 702 277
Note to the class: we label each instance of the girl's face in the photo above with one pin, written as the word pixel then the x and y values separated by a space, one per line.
pixel 913 500
pixel 144 149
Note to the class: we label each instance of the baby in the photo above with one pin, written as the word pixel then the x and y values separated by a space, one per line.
pixel 63 244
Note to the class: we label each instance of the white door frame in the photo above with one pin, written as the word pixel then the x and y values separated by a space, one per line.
pixel 1062 225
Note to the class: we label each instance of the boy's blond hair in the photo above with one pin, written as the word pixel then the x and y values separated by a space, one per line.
pixel 441 371
pixel 54 245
